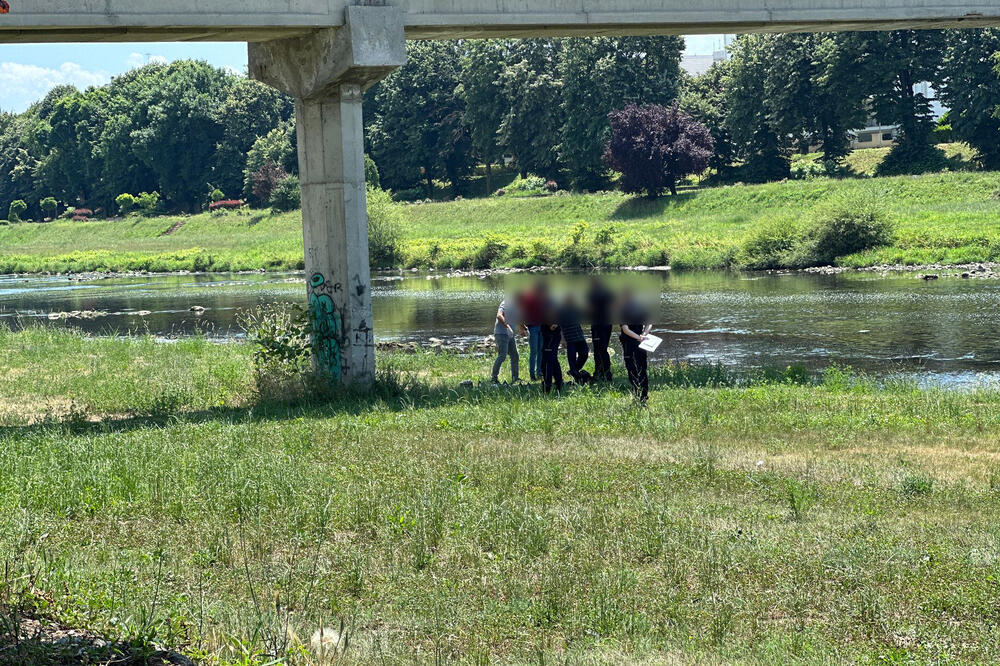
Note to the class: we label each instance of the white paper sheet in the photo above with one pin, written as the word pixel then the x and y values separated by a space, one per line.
pixel 651 343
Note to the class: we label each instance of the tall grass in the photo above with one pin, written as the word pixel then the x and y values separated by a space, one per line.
pixel 733 520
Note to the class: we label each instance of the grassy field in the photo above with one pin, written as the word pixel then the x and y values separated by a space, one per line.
pixel 951 217
pixel 864 162
pixel 148 492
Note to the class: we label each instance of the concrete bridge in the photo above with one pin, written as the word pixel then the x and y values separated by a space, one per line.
pixel 326 52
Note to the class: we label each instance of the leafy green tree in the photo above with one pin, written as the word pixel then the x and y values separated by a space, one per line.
pixel 480 89
pixel 250 111
pixel 287 195
pixel 49 206
pixel 704 99
pixel 604 74
pixel 68 166
pixel 969 85
pixel 749 120
pixel 179 129
pixel 896 62
pixel 417 131
pixel 813 92
pixel 16 210
pixel 276 149
pixel 532 93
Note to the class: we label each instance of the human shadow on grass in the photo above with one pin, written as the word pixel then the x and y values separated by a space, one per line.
pixel 640 208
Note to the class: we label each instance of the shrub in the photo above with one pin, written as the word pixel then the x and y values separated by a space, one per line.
pixel 606 235
pixel 490 252
pixel 371 173
pixel 226 204
pixel 216 195
pixel 126 203
pixel 82 215
pixel 846 226
pixel 768 246
pixel 265 180
pixel 807 169
pixel 287 195
pixel 17 209
pixel 4 223
pixel 385 229
pixel 280 336
pixel 49 206
pixel 148 203
pixel 529 184
pixel 413 194
pixel 578 233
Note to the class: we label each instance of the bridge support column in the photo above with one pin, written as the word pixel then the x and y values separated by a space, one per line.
pixel 327 72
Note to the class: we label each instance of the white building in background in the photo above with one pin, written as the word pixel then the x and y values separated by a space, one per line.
pixel 697 64
pixel 875 135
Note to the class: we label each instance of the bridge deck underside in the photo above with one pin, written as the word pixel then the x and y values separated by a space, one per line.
pixel 448 27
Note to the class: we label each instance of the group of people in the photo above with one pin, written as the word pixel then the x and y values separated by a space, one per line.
pixel 551 326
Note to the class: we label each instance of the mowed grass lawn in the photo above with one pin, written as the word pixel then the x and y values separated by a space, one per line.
pixel 148 492
pixel 945 217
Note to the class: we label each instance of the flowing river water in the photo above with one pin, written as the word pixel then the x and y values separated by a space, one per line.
pixel 941 332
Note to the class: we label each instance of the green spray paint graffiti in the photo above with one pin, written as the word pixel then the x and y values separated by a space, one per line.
pixel 327 326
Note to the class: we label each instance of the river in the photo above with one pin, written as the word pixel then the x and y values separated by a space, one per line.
pixel 942 331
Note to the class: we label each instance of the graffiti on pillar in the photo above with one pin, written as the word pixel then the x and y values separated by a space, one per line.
pixel 4 7
pixel 358 291
pixel 327 326
pixel 364 338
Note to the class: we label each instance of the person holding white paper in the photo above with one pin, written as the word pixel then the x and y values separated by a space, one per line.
pixel 635 328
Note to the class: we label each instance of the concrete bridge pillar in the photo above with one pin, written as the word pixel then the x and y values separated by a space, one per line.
pixel 327 72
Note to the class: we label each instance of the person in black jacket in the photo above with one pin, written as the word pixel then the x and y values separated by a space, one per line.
pixel 635 327
pixel 551 339
pixel 600 302
pixel 577 352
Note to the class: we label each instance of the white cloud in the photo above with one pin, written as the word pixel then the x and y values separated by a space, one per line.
pixel 23 84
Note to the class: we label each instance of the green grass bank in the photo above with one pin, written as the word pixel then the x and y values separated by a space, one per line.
pixel 951 217
pixel 148 492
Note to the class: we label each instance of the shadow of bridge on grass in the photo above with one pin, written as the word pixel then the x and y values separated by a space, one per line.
pixel 340 403
pixel 400 392
pixel 28 641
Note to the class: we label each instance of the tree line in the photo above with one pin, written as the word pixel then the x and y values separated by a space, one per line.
pixel 191 133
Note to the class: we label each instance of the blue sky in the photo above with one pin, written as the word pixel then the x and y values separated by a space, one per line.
pixel 27 72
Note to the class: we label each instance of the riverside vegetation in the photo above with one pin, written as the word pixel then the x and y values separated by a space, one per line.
pixel 158 494
pixel 949 217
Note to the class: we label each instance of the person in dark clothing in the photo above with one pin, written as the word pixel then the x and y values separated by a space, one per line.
pixel 577 352
pixel 635 327
pixel 600 301
pixel 532 304
pixel 551 370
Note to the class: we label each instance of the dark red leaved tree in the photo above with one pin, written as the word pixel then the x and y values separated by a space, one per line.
pixel 653 146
